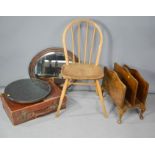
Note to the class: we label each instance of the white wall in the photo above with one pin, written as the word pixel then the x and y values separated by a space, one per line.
pixel 129 40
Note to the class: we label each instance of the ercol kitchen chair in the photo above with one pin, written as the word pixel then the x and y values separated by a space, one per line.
pixel 83 69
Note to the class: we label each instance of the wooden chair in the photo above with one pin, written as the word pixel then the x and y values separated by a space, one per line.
pixel 84 69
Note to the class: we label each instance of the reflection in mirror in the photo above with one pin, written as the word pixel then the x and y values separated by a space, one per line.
pixel 47 64
pixel 50 65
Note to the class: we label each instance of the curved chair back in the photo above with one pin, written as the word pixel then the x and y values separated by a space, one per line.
pixel 90 31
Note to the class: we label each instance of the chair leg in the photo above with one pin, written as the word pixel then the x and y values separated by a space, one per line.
pixel 96 90
pixel 62 97
pixel 98 87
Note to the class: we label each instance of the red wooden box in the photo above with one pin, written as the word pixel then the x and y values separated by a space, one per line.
pixel 20 113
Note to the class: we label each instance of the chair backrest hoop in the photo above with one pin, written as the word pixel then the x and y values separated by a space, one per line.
pixel 88 23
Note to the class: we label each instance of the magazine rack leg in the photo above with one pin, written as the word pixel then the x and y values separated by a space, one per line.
pixel 120 115
pixel 141 114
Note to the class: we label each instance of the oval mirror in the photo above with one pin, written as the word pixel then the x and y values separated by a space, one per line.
pixel 47 65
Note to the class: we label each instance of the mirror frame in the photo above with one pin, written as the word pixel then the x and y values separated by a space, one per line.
pixel 41 54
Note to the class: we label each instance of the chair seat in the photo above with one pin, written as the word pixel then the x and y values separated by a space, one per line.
pixel 82 71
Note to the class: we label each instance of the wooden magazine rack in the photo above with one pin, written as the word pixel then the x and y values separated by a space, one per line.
pixel 127 88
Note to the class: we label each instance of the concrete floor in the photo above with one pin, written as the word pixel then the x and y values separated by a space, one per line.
pixel 83 118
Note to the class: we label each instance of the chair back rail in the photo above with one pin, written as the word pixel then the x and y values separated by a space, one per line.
pixel 75 29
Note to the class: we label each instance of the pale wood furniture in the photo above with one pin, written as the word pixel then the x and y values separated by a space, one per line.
pixel 84 69
pixel 127 88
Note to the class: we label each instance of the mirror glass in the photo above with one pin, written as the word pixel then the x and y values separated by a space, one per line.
pixel 50 65
pixel 47 64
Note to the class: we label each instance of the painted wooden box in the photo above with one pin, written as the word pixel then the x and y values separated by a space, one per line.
pixel 20 113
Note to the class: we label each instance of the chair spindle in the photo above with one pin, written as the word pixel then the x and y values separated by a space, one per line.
pixel 86 42
pixel 73 49
pixel 92 45
pixel 79 37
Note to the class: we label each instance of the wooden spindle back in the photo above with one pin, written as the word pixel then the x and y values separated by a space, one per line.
pixel 75 29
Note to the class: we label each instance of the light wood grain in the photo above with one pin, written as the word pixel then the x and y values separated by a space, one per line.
pixel 84 70
pixel 86 43
pixel 62 97
pixel 73 48
pixel 92 46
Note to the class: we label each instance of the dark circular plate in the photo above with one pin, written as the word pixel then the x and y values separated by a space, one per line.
pixel 27 90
